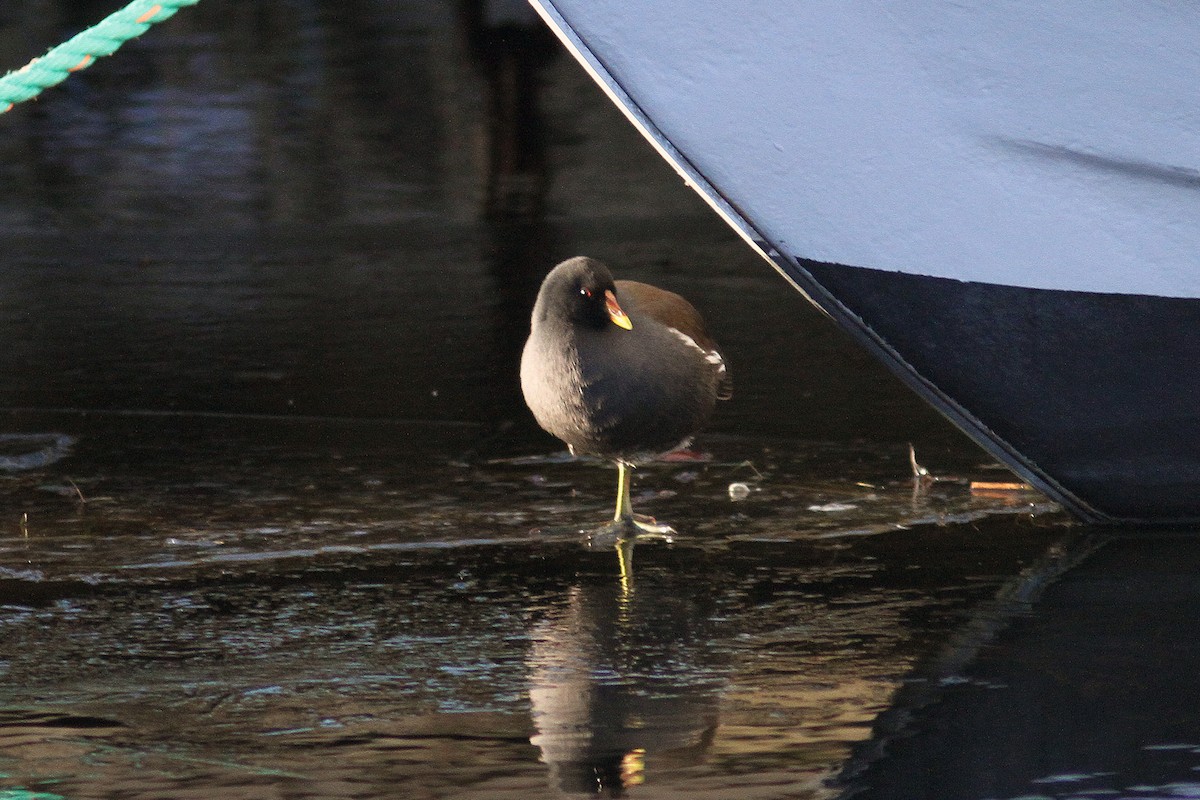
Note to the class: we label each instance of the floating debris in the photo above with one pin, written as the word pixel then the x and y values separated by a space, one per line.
pixel 739 491
pixel 919 473
pixel 1000 486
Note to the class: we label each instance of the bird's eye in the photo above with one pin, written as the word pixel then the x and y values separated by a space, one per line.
pixel 586 292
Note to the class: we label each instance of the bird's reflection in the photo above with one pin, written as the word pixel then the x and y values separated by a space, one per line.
pixel 621 684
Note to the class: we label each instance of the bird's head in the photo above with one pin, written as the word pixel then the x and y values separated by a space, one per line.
pixel 581 290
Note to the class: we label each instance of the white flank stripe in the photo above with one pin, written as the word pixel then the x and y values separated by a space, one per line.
pixel 711 356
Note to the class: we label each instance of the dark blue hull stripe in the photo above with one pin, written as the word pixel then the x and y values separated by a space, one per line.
pixel 1095 397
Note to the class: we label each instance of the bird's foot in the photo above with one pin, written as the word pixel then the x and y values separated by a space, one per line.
pixel 685 456
pixel 650 528
pixel 635 528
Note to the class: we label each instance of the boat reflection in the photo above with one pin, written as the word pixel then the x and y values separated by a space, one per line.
pixel 1089 690
pixel 621 685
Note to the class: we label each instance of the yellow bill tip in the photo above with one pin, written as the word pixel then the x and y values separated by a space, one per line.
pixel 618 317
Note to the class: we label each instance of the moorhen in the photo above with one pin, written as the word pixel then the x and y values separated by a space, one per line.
pixel 619 369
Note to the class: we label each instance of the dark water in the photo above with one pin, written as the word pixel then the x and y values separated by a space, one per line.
pixel 275 523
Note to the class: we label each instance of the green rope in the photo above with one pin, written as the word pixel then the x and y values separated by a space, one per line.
pixel 81 50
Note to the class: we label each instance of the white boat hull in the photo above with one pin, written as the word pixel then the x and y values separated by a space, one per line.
pixel 1001 201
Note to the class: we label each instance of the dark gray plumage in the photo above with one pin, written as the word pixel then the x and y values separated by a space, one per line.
pixel 624 393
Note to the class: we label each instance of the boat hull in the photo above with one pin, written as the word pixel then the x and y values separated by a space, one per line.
pixel 1027 261
pixel 1094 393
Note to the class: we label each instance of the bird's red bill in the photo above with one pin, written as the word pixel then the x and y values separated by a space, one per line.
pixel 619 318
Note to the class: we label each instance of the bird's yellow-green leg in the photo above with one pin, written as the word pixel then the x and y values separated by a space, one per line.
pixel 642 525
pixel 624 506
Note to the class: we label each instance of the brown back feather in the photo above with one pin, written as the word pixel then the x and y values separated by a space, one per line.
pixel 672 310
